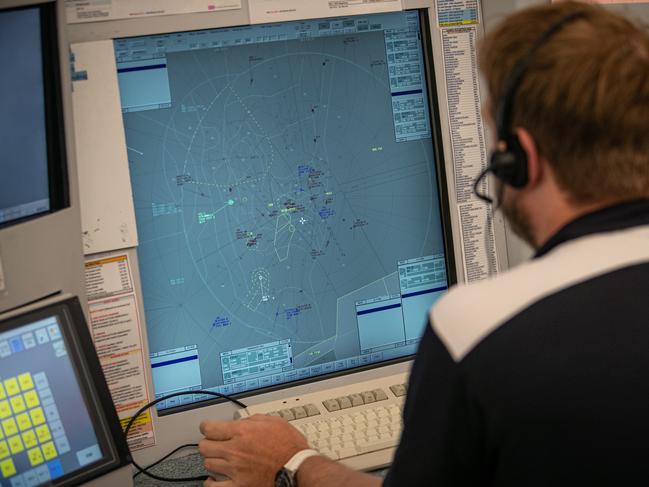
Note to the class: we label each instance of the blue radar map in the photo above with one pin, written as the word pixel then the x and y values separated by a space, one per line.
pixel 286 198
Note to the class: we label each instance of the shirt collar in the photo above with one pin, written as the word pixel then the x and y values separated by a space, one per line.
pixel 609 219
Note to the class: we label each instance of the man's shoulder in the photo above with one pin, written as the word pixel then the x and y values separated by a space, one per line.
pixel 469 313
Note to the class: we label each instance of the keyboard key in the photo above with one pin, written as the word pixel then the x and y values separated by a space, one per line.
pixel 368 397
pixel 398 390
pixel 299 412
pixel 344 402
pixel 356 399
pixel 331 405
pixel 380 395
pixel 287 414
pixel 378 446
pixel 312 410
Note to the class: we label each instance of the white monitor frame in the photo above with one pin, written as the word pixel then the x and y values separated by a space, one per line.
pixel 38 257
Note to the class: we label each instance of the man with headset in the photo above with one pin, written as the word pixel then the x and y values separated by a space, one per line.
pixel 541 375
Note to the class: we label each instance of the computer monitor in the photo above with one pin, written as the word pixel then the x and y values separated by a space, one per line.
pixel 39 257
pixel 32 151
pixel 289 194
pixel 58 425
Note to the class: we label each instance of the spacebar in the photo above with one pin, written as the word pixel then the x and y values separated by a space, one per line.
pixel 378 446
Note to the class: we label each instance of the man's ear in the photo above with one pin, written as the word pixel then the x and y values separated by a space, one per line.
pixel 534 166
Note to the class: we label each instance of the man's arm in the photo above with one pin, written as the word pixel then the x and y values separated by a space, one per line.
pixel 250 452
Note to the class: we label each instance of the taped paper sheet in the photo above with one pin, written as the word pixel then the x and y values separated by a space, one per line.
pixel 107 215
pixel 262 11
pixel 97 10
pixel 117 334
pixel 459 23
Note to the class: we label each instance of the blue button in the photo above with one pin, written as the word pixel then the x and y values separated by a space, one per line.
pixel 16 345
pixel 56 470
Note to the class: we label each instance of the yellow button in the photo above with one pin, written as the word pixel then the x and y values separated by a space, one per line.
pixel 8 468
pixel 43 433
pixel 37 416
pixel 18 404
pixel 3 394
pixel 4 449
pixel 29 439
pixel 25 381
pixel 35 456
pixel 31 398
pixel 23 421
pixel 5 410
pixel 12 386
pixel 15 444
pixel 9 425
pixel 49 451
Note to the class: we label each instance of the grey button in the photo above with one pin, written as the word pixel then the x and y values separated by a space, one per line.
pixel 17 481
pixel 398 390
pixel 287 414
pixel 274 413
pixel 299 412
pixel 30 478
pixel 57 428
pixel 45 392
pixel 40 380
pixel 312 410
pixel 380 394
pixel 62 444
pixel 89 455
pixel 344 402
pixel 43 473
pixel 331 405
pixel 51 413
pixel 356 399
pixel 368 397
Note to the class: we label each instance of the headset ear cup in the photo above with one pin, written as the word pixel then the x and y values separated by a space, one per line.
pixel 519 173
pixel 510 166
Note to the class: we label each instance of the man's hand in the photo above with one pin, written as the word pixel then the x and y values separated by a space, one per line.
pixel 250 451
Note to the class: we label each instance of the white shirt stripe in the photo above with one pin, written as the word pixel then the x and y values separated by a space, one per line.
pixel 467 314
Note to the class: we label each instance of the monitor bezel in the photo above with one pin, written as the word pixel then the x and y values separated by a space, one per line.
pixel 445 218
pixel 57 168
pixel 89 374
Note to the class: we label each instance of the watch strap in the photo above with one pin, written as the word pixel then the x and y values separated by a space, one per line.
pixel 296 460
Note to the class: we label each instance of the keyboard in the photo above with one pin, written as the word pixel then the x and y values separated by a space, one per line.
pixel 359 425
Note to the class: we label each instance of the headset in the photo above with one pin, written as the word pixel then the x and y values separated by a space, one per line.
pixel 509 161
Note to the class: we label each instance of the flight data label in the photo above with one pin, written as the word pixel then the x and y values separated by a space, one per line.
pixel 256 361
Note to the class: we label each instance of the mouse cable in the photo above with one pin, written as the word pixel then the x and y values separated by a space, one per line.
pixel 153 403
pixel 157 462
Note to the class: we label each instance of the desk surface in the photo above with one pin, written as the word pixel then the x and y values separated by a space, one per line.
pixel 188 466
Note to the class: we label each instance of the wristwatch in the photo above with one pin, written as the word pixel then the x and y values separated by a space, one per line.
pixel 286 475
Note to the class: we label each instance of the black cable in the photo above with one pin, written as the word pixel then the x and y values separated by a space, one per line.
pixel 483 174
pixel 157 462
pixel 153 403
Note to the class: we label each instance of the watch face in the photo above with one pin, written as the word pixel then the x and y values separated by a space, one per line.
pixel 284 479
